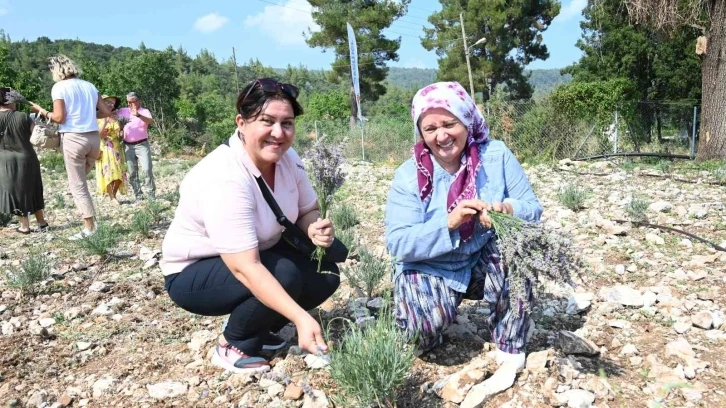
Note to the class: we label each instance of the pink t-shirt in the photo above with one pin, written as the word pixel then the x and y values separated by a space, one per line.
pixel 136 130
pixel 222 211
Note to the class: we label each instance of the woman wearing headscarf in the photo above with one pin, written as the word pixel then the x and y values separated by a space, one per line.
pixel 21 185
pixel 111 175
pixel 438 228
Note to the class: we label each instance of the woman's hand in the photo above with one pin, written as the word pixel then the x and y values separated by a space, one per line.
pixel 35 107
pixel 322 232
pixel 464 211
pixel 309 334
pixel 484 218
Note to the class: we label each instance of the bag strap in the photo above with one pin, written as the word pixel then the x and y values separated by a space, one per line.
pixel 267 194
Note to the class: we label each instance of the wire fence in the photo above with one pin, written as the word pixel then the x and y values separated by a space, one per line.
pixel 536 131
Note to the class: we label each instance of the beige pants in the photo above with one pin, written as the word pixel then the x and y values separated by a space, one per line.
pixel 80 151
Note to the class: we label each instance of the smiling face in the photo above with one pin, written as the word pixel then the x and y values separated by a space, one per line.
pixel 445 135
pixel 268 136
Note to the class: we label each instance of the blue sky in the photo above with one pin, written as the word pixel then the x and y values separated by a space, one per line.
pixel 256 28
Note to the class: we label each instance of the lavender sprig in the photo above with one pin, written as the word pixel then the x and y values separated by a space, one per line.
pixel 327 177
pixel 532 254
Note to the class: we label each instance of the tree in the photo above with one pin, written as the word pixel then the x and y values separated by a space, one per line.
pixel 512 33
pixel 660 66
pixel 368 19
pixel 709 16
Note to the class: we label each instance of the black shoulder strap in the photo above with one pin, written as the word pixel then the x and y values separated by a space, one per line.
pixel 267 194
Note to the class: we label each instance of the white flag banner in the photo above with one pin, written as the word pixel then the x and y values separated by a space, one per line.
pixel 354 68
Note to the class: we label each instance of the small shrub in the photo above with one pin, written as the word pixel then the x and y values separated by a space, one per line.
pixel 573 197
pixel 637 209
pixel 172 197
pixel 344 217
pixel 370 365
pixel 53 162
pixel 349 239
pixel 141 223
pixel 33 269
pixel 105 238
pixel 664 166
pixel 368 273
pixel 59 200
pixel 5 219
pixel 720 174
pixel 156 210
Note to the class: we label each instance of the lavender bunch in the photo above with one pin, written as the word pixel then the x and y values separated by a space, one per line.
pixel 533 253
pixel 327 177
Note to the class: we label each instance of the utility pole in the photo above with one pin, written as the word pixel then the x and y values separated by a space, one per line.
pixel 466 53
pixel 236 74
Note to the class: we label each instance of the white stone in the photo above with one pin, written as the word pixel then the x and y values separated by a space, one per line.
pixel 703 320
pixel 579 398
pixel 102 310
pixel 682 327
pixel 620 269
pixel 622 295
pixel 200 339
pixel 167 389
pixel 318 400
pixel 579 302
pixel 99 287
pixel 317 361
pixel 628 350
pixel 83 346
pixel 649 298
pixel 660 206
pixel 654 239
pixel 502 380
pixel 102 386
pixel 7 328
pixel 46 322
pixel 718 319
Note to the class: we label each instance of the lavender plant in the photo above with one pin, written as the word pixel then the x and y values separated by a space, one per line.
pixel 326 168
pixel 533 254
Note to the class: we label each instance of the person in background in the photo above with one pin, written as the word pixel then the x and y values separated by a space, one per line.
pixel 439 230
pixel 223 252
pixel 76 106
pixel 21 184
pixel 137 149
pixel 111 165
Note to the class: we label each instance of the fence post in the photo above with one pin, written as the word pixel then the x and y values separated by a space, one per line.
pixel 316 130
pixel 617 132
pixel 693 133
pixel 362 145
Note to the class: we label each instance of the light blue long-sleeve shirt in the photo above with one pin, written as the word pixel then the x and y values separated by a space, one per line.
pixel 417 234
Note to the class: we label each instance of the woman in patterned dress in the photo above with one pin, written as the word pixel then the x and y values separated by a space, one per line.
pixel 111 177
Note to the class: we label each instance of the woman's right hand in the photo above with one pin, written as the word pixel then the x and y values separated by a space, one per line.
pixel 309 334
pixel 464 211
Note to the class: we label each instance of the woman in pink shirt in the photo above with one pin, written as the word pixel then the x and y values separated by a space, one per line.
pixel 223 253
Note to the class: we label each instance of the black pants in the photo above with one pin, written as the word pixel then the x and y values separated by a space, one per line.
pixel 208 288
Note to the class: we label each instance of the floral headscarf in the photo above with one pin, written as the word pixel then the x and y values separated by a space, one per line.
pixel 454 98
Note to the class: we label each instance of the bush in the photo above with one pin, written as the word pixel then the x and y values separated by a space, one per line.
pixel 664 166
pixel 5 219
pixel 344 217
pixel 637 209
pixel 156 210
pixel 33 269
pixel 105 238
pixel 141 223
pixel 368 273
pixel 573 197
pixel 371 364
pixel 53 162
pixel 349 239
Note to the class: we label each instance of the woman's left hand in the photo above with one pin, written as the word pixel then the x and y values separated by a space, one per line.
pixel 505 208
pixel 322 232
pixel 35 107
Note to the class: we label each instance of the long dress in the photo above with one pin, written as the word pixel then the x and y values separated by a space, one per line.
pixel 112 165
pixel 21 185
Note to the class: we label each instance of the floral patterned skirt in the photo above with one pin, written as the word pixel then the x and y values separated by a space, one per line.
pixel 111 166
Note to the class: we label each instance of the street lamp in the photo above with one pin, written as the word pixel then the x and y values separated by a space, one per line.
pixel 466 53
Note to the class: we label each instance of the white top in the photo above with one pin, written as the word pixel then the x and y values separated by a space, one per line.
pixel 222 211
pixel 81 99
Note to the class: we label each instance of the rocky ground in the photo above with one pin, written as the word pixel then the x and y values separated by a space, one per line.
pixel 645 326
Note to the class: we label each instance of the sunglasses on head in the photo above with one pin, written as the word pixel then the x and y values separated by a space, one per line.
pixel 270 85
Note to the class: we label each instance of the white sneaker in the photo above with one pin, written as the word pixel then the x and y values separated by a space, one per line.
pixel 83 234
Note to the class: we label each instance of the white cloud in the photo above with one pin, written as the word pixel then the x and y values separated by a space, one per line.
pixel 209 23
pixel 4 7
pixel 285 24
pixel 572 10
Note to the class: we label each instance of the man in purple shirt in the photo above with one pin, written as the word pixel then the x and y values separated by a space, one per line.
pixel 136 142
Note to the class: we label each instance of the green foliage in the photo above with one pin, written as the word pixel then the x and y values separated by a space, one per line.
pixel 395 103
pixel 370 365
pixel 573 197
pixel 368 19
pixel 513 38
pixel 53 161
pixel 660 66
pixel 349 239
pixel 102 241
pixel 664 166
pixel 592 100
pixel 344 217
pixel 637 209
pixel 328 105
pixel 34 269
pixel 59 200
pixel 367 275
pixel 141 223
pixel 5 219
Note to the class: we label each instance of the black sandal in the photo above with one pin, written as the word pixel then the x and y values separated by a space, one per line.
pixel 19 231
pixel 43 228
